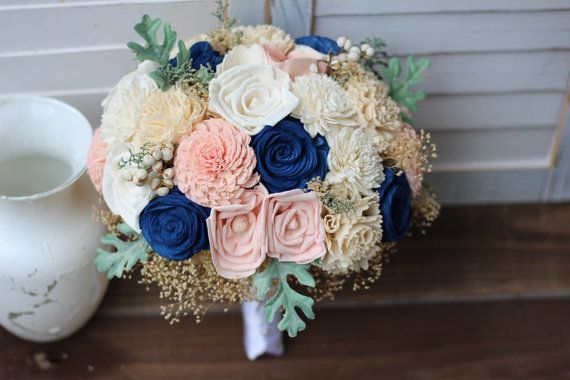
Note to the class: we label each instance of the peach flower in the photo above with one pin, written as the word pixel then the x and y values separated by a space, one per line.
pixel 237 236
pixel 96 157
pixel 295 230
pixel 215 165
pixel 297 62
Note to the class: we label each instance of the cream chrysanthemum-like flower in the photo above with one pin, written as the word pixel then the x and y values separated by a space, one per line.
pixel 266 34
pixel 323 105
pixel 121 106
pixel 354 163
pixel 352 238
pixel 165 116
pixel 378 114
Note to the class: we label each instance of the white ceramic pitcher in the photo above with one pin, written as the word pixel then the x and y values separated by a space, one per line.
pixel 49 286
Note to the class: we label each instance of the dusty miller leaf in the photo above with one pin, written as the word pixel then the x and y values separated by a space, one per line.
pixel 127 255
pixel 400 87
pixel 153 51
pixel 285 296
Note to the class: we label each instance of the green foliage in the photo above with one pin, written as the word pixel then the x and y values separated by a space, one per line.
pixel 400 87
pixel 379 60
pixel 127 255
pixel 153 51
pixel 285 296
pixel 221 13
pixel 135 158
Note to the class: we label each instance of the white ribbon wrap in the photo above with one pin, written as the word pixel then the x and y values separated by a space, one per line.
pixel 259 336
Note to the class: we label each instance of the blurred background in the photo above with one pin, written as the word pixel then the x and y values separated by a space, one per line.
pixel 497 88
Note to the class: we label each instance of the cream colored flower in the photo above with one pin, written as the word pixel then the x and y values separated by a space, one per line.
pixel 121 106
pixel 378 114
pixel 354 163
pixel 323 105
pixel 352 239
pixel 266 34
pixel 252 96
pixel 165 116
pixel 243 55
pixel 123 198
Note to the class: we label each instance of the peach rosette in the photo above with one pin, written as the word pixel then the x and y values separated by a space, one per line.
pixel 237 237
pixel 295 229
pixel 215 165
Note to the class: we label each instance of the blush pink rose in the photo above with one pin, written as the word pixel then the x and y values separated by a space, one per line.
pixel 96 157
pixel 413 172
pixel 295 230
pixel 297 62
pixel 237 237
pixel 215 165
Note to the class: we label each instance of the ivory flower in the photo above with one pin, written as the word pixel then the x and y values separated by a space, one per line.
pixel 323 105
pixel 215 165
pixel 354 163
pixel 96 157
pixel 353 238
pixel 121 106
pixel 165 116
pixel 252 96
pixel 378 114
pixel 295 230
pixel 123 198
pixel 266 34
pixel 243 55
pixel 237 236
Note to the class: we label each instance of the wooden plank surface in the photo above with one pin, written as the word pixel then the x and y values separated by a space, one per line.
pixel 486 294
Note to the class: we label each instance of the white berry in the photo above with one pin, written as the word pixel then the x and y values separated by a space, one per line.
pixel 355 49
pixel 148 160
pixel 347 45
pixel 162 191
pixel 364 47
pixel 157 154
pixel 340 41
pixel 155 183
pixel 168 183
pixel 126 174
pixel 369 52
pixel 157 166
pixel 141 174
pixel 353 56
pixel 342 57
pixel 168 173
pixel 167 154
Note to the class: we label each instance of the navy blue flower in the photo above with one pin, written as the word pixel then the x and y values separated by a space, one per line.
pixel 202 54
pixel 321 44
pixel 287 156
pixel 174 226
pixel 395 205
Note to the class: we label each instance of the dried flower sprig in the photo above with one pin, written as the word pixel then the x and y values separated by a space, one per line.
pixel 337 201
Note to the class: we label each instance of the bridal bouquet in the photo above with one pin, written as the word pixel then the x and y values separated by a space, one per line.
pixel 243 164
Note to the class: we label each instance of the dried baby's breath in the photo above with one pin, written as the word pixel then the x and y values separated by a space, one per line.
pixel 332 196
pixel 191 286
pixel 425 209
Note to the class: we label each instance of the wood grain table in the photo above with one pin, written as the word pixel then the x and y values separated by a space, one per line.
pixel 485 295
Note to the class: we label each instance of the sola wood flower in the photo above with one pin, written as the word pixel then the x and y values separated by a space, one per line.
pixel 295 230
pixel 252 96
pixel 96 157
pixel 215 165
pixel 323 105
pixel 237 236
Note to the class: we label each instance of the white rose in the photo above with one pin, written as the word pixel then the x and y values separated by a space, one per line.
pixel 243 55
pixel 121 106
pixel 123 198
pixel 354 162
pixel 323 105
pixel 252 96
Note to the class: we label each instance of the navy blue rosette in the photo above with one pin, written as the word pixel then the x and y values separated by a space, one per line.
pixel 321 44
pixel 174 226
pixel 395 205
pixel 202 54
pixel 287 156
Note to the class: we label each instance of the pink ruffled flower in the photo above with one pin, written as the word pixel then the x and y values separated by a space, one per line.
pixel 96 157
pixel 295 229
pixel 215 165
pixel 297 62
pixel 237 236
pixel 413 172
